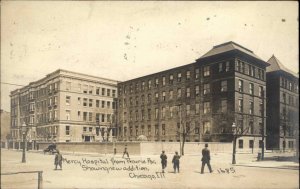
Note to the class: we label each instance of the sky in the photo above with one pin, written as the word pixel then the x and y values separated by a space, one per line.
pixel 124 40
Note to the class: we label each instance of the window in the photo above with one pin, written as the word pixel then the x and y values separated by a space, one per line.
pixel 206 88
pixel 143 130
pixel 171 78
pixel 149 130
pixel 240 104
pixel 206 127
pixel 90 102
pixel 67 130
pixel 179 77
pixel 220 66
pixel 188 75
pixel 84 116
pixel 108 92
pixel 149 114
pixel 179 93
pixel 156 97
pixel 251 88
pixel 206 107
pixel 79 115
pixel 164 96
pixel 156 82
pixel 68 86
pixel 251 144
pixel 241 143
pixel 171 111
pixel 97 118
pixel 197 108
pixel 156 130
pixel 68 100
pixel 55 114
pixel 68 114
pixel 224 106
pixel 227 67
pixel 149 84
pixel 114 93
pixel 90 116
pixel 143 114
pixel 78 100
pixel 102 104
pixel 197 128
pixel 223 86
pixel 247 69
pixel 156 113
pixel 163 80
pixel 261 91
pixel 149 98
pixel 102 117
pixel 98 103
pixel 103 92
pixel 284 97
pixel 130 130
pixel 241 86
pixel 170 94
pixel 163 129
pixel 55 100
pixel 136 115
pixel 85 102
pixel 188 110
pixel 188 92
pixel 197 73
pixel 261 109
pixel 251 127
pixel 143 85
pixel 197 90
pixel 97 90
pixel 108 104
pixel 251 107
pixel 206 71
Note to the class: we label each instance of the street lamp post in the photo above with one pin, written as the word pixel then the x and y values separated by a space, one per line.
pixel 23 134
pixel 234 131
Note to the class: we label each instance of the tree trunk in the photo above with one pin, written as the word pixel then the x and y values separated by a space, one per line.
pixel 182 147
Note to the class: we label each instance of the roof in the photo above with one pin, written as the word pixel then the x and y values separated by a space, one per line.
pixel 276 65
pixel 229 46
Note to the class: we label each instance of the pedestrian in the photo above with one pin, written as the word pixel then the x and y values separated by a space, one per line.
pixel 175 162
pixel 163 158
pixel 205 159
pixel 58 160
pixel 125 152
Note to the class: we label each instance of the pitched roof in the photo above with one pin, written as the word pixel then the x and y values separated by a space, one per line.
pixel 229 46
pixel 276 65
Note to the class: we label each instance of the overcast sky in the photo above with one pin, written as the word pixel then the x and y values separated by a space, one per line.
pixel 124 40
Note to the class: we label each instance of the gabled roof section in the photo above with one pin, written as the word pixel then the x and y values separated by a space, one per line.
pixel 276 65
pixel 229 46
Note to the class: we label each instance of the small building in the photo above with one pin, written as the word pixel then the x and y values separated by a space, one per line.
pixel 65 106
pixel 282 106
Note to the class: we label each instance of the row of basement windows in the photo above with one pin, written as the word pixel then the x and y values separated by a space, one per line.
pixel 251 144
pixel 97 130
pixel 89 103
pixel 88 89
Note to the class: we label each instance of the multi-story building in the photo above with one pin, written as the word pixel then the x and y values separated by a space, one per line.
pixel 203 99
pixel 5 128
pixel 282 106
pixel 64 106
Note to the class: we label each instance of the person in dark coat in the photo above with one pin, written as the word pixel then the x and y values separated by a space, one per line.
pixel 175 162
pixel 205 159
pixel 163 158
pixel 125 152
pixel 58 160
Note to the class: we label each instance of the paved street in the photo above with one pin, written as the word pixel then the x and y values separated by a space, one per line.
pixel 96 171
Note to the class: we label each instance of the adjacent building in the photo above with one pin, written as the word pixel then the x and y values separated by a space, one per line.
pixel 5 128
pixel 64 106
pixel 203 99
pixel 282 106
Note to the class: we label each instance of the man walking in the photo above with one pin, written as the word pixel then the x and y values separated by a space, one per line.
pixel 58 160
pixel 175 162
pixel 125 152
pixel 163 158
pixel 205 159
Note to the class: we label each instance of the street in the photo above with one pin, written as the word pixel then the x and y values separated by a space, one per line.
pixel 99 171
